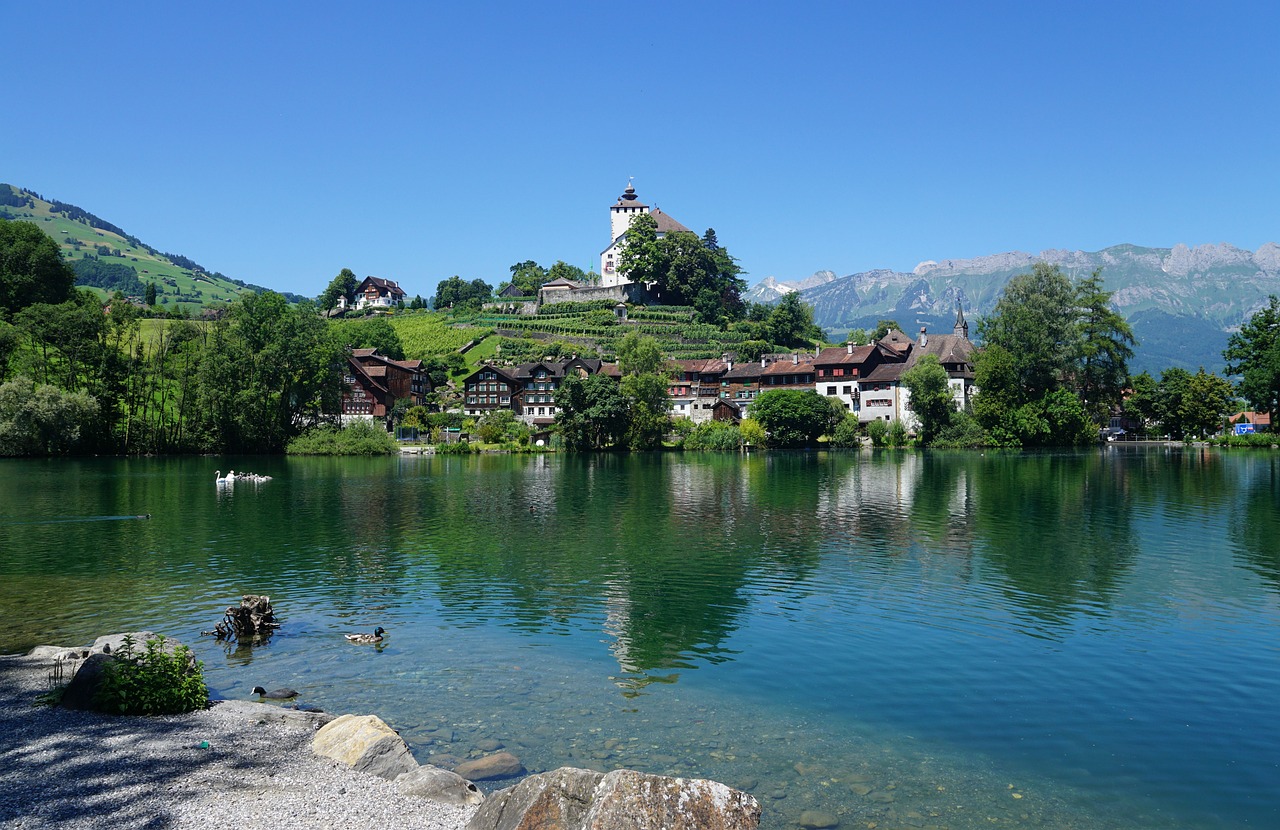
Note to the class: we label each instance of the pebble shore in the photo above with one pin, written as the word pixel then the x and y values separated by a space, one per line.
pixel 81 770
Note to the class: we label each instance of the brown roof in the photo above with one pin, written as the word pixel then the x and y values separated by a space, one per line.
pixel 775 365
pixel 665 223
pixel 363 352
pixel 561 282
pixel 949 349
pixel 842 355
pixel 1262 419
pixel 389 286
pixel 885 373
pixel 896 341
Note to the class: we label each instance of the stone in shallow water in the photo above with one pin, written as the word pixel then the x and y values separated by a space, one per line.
pixel 816 819
pixel 488 745
pixel 366 744
pixel 859 788
pixel 497 765
pixel 435 784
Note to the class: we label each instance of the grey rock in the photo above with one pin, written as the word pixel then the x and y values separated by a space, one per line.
pixel 575 799
pixel 80 691
pixel 497 765
pixel 817 819
pixel 488 745
pixel 440 785
pixel 256 712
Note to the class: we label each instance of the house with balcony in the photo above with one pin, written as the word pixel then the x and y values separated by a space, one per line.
pixel 372 383
pixel 375 293
pixel 745 381
pixel 528 389
pixel 695 387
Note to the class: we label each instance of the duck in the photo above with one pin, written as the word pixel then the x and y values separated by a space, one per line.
pixel 275 694
pixel 375 637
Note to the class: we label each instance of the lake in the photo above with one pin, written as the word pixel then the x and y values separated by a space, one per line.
pixel 898 639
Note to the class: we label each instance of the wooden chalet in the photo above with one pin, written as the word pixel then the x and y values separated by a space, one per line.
pixel 373 383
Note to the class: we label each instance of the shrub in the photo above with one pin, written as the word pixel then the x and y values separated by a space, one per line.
pixel 897 434
pixel 714 435
pixel 848 433
pixel 358 438
pixel 154 682
pixel 878 432
pixel 459 448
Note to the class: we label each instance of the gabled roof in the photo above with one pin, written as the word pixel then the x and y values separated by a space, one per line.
pixel 561 282
pixel 885 373
pixel 775 365
pixel 844 356
pixel 896 341
pixel 704 366
pixel 383 286
pixel 665 223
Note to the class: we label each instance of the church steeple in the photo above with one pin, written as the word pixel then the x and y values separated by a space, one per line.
pixel 962 326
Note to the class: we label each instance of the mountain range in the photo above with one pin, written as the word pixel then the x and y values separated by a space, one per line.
pixel 1182 302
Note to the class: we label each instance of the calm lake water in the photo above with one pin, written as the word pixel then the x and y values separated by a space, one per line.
pixel 957 640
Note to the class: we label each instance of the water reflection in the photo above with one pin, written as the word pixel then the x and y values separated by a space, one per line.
pixel 1255 519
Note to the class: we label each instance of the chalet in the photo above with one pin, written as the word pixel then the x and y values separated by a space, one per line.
pixel 375 292
pixel 529 389
pixel 373 383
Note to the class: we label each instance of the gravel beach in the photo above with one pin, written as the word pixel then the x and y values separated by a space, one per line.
pixel 68 769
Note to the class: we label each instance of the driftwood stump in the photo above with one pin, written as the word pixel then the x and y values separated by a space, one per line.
pixel 254 619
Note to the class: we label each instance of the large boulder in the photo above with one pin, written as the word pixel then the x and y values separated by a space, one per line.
pixel 497 765
pixel 366 744
pixel 437 784
pixel 574 799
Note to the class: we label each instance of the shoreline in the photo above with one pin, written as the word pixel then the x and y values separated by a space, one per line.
pixel 75 769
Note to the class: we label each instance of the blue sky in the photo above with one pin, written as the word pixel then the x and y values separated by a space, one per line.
pixel 278 143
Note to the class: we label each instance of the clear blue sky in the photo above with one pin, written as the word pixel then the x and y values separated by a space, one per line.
pixel 278 143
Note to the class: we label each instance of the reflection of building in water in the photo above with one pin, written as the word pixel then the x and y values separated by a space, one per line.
pixel 878 485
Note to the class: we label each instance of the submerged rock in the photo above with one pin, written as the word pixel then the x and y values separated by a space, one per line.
pixel 497 765
pixel 366 744
pixel 437 784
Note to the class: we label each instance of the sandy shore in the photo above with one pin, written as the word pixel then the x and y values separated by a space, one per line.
pixel 68 769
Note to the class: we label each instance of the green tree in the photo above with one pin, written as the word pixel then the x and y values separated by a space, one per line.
pixel 562 270
pixel 1106 346
pixel 931 397
pixel 648 403
pixel 848 433
pixel 883 327
pixel 592 412
pixel 1143 403
pixel 43 420
pixel 1253 353
pixel 31 268
pixel 372 333
pixel 457 293
pixel 150 296
pixel 640 354
pixel 1172 391
pixel 1206 405
pixel 342 286
pixel 792 417
pixel 528 276
pixel 1035 322
pixel 684 270
pixel 791 322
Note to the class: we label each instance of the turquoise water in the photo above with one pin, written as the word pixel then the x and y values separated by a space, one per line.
pixel 907 640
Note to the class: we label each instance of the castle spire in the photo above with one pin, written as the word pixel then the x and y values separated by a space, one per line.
pixel 962 325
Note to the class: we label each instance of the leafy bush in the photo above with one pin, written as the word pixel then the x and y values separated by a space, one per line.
pixel 878 432
pixel 897 434
pixel 155 682
pixel 460 448
pixel 714 435
pixel 358 438
pixel 962 433
pixel 1256 440
pixel 848 433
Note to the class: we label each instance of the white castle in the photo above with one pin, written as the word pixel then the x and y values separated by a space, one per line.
pixel 621 214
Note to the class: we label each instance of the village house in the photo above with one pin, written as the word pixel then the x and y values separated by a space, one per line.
pixel 529 389
pixel 744 382
pixel 375 293
pixel 373 383
pixel 695 387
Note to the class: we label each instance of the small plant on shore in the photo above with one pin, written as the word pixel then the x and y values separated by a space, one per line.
pixel 154 681
pixel 357 438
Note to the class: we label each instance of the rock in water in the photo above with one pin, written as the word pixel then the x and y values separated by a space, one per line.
pixel 816 820
pixel 497 765
pixel 575 799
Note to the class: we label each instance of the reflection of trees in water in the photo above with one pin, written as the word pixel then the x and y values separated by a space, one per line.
pixel 655 548
pixel 1255 518
pixel 1057 528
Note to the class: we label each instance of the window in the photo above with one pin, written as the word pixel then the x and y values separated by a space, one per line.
pixel 542 410
pixel 848 390
pixel 838 372
pixel 528 410
pixel 831 390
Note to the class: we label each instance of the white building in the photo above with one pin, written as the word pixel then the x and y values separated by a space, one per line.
pixel 621 215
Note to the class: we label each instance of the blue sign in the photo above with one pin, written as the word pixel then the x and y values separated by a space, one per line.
pixel 1244 429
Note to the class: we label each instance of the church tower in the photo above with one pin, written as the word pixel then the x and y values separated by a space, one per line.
pixel 962 325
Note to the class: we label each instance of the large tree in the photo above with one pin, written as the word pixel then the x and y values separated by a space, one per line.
pixel 592 412
pixel 1253 353
pixel 684 269
pixel 931 397
pixel 31 268
pixel 342 286
pixel 1106 345
pixel 791 322
pixel 528 276
pixel 456 292
pixel 1035 322
pixel 793 417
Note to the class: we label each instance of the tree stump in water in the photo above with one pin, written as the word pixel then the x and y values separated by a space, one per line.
pixel 253 619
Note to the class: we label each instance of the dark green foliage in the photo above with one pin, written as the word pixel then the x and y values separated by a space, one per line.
pixel 1035 323
pixel 930 396
pixel 1106 347
pixel 878 432
pixel 528 276
pixel 963 432
pixel 791 322
pixel 883 327
pixel 43 420
pixel 31 268
pixel 714 435
pixel 684 270
pixel 110 276
pixel 848 433
pixel 456 293
pixel 647 418
pixel 791 417
pixel 593 412
pixel 1253 353
pixel 357 438
pixel 150 296
pixel 343 286
pixel 370 333
pixel 155 681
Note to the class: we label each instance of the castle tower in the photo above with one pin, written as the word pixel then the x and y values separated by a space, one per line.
pixel 621 214
pixel 624 210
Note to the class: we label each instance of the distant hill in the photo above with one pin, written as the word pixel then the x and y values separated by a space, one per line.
pixel 106 258
pixel 1181 302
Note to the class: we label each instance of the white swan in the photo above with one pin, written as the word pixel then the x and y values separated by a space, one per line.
pixel 218 477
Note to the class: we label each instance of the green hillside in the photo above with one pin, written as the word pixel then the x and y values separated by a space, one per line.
pixel 107 259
